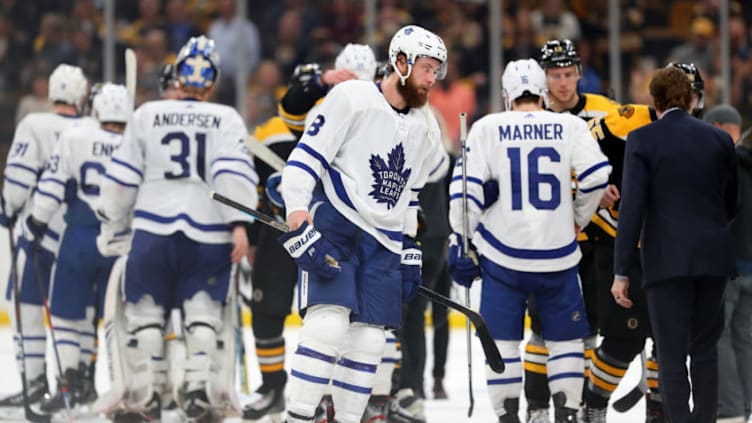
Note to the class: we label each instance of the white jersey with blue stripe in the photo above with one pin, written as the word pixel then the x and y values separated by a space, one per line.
pixel 371 159
pixel 173 153
pixel 34 141
pixel 81 155
pixel 532 155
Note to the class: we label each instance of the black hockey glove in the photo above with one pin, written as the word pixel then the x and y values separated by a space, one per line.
pixel 412 260
pixel 311 251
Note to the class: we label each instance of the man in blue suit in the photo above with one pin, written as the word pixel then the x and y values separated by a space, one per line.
pixel 679 193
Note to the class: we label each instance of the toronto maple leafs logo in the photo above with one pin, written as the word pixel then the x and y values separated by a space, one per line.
pixel 389 178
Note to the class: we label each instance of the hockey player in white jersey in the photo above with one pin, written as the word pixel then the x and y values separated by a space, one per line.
pixel 526 238
pixel 351 189
pixel 173 153
pixel 80 155
pixel 33 142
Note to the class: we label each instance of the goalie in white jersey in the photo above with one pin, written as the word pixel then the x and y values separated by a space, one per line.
pixel 31 151
pixel 525 232
pixel 351 189
pixel 173 153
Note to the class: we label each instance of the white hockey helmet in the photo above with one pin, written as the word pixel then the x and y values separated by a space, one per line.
pixel 67 84
pixel 414 42
pixel 522 77
pixel 358 58
pixel 112 104
pixel 197 64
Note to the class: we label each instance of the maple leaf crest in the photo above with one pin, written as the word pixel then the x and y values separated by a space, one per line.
pixel 389 177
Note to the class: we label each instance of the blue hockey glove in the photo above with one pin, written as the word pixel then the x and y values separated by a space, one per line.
pixel 464 270
pixel 311 251
pixel 7 219
pixel 272 189
pixel 36 228
pixel 412 260
pixel 490 193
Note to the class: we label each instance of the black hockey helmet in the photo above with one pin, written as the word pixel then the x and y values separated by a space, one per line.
pixel 166 77
pixel 559 54
pixel 698 85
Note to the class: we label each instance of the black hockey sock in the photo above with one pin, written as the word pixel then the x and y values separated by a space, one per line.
pixel 536 377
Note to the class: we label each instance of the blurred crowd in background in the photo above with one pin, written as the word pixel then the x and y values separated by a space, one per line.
pixel 37 35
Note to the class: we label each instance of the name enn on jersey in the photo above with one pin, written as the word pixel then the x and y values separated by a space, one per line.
pixel 102 149
pixel 201 120
pixel 531 131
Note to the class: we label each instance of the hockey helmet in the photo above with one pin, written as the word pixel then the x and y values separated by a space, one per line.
pixel 698 85
pixel 67 85
pixel 358 58
pixel 112 104
pixel 166 77
pixel 415 42
pixel 520 78
pixel 197 64
pixel 559 54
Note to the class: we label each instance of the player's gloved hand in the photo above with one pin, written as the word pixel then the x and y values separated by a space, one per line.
pixel 114 241
pixel 36 229
pixel 490 193
pixel 464 270
pixel 311 251
pixel 272 189
pixel 7 219
pixel 412 260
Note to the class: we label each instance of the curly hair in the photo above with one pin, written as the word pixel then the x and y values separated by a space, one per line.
pixel 669 88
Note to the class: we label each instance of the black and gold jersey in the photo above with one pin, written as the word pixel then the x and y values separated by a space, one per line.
pixel 305 91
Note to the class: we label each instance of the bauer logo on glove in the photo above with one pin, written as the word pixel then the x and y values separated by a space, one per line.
pixel 311 251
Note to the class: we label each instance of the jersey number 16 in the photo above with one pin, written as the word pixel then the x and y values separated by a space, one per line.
pixel 534 178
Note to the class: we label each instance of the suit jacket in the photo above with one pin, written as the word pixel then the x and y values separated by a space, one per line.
pixel 679 193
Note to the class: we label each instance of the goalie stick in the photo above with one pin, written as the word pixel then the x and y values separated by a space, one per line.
pixel 131 69
pixel 634 396
pixel 493 357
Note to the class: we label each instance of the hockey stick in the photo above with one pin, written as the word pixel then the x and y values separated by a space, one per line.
pixel 46 303
pixel 493 357
pixel 634 396
pixel 465 228
pixel 30 414
pixel 264 153
pixel 239 338
pixel 131 70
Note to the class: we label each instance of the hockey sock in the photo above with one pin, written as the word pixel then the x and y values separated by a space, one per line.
pixel 652 373
pixel 354 374
pixel 383 382
pixel 68 341
pixel 270 350
pixel 505 386
pixel 605 374
pixel 311 367
pixel 87 336
pixel 536 375
pixel 566 366
pixel 34 339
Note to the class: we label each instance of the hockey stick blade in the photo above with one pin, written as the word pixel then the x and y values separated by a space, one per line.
pixel 493 357
pixel 264 153
pixel 628 401
pixel 131 71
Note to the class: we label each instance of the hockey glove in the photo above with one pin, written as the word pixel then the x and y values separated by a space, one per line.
pixel 464 269
pixel 7 219
pixel 272 189
pixel 112 242
pixel 412 260
pixel 36 229
pixel 312 252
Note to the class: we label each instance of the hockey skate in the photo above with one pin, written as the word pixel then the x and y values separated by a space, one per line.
pixel 55 403
pixel 512 407
pixel 653 410
pixel 37 389
pixel 197 408
pixel 537 415
pixel 438 389
pixel 266 401
pixel 88 392
pixel 376 410
pixel 595 415
pixel 406 407
pixel 152 412
pixel 563 414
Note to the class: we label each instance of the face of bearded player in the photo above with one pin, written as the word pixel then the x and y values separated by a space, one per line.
pixel 422 78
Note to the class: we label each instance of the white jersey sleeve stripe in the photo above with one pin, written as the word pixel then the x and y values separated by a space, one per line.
pixel 591 169
pixel 128 166
pixel 50 195
pixel 54 180
pixel 527 254
pixel 470 179
pixel 232 172
pixel 15 182
pixel 437 167
pixel 458 196
pixel 184 217
pixel 20 166
pixel 595 188
pixel 414 203
pixel 119 182
pixel 305 167
pixel 233 159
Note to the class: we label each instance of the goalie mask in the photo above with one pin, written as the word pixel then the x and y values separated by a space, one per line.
pixel 698 85
pixel 197 64
pixel 559 54
pixel 522 78
pixel 415 42
pixel 358 58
